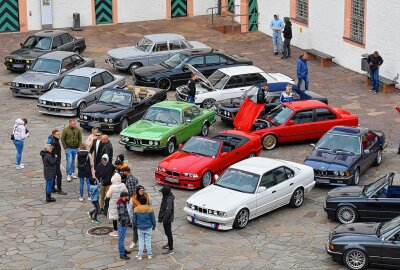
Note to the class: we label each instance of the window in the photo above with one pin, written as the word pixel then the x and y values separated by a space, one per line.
pixel 273 97
pixel 77 60
pixel 107 77
pixel 303 117
pixel 253 79
pixel 67 64
pixel 175 45
pixel 66 38
pixel 212 60
pixel 96 81
pixel 196 111
pixel 161 47
pixel 187 114
pixel 357 21
pixel 234 81
pixel 197 61
pixel 280 175
pixel 368 140
pixel 267 180
pixel 56 42
pixel 302 11
pixel 323 114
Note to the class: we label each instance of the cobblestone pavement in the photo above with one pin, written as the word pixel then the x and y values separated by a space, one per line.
pixel 36 235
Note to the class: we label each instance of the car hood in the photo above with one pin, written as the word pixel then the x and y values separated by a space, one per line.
pixel 24 53
pixel 186 162
pixel 356 229
pixel 62 95
pixel 147 130
pixel 349 191
pixel 218 198
pixel 151 70
pixel 125 52
pixel 32 77
pixel 247 114
pixel 323 160
pixel 101 108
pixel 199 88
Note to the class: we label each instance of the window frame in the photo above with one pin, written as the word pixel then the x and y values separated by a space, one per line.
pixel 348 22
pixel 294 12
pixel 302 15
pixel 327 109
pixel 357 21
pixel 312 116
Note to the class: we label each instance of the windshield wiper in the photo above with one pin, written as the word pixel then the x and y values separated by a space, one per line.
pixel 145 119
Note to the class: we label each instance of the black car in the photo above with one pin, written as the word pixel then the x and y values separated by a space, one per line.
pixel 360 245
pixel 377 201
pixel 41 43
pixel 228 110
pixel 344 153
pixel 173 72
pixel 116 109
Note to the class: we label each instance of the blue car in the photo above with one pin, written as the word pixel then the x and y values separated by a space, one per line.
pixel 344 153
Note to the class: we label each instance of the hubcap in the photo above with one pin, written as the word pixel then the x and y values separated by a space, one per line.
pixel 204 130
pixel 355 259
pixel 82 106
pixel 298 197
pixel 209 103
pixel 269 142
pixel 243 218
pixel 346 215
pixel 206 179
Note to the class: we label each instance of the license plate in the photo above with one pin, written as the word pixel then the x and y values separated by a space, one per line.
pixel 18 66
pixel 172 180
pixel 137 149
pixel 323 181
pixel 25 91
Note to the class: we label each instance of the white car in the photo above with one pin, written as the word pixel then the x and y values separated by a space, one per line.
pixel 228 83
pixel 248 189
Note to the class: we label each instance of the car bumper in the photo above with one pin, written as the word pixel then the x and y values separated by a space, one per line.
pixel 16 67
pixel 333 181
pixel 309 187
pixel 102 126
pixel 63 111
pixel 178 182
pixel 336 256
pixel 141 147
pixel 27 92
pixel 331 213
pixel 224 117
pixel 209 221
pixel 144 83
pixel 114 64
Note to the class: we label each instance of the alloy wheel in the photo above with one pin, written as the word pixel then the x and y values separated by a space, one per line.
pixel 204 130
pixel 269 142
pixel 356 178
pixel 132 68
pixel 208 103
pixel 164 83
pixel 298 197
pixel 171 146
pixel 356 259
pixel 206 180
pixel 124 124
pixel 243 218
pixel 346 215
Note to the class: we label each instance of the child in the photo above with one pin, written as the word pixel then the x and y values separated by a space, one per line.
pixel 94 197
pixel 123 223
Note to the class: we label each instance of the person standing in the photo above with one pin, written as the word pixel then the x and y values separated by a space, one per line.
pixel 192 88
pixel 56 153
pixel 113 195
pixel 84 162
pixel 20 133
pixel 49 170
pixel 95 149
pixel 262 93
pixel 107 147
pixel 140 192
pixel 91 137
pixel 143 217
pixel 287 34
pixel 375 61
pixel 166 216
pixel 123 223
pixel 287 95
pixel 104 171
pixel 276 27
pixel 302 71
pixel 71 138
pixel 94 198
pixel 131 181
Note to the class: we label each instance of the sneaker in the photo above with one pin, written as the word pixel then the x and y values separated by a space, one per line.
pixel 96 222
pixel 132 245
pixel 113 234
pixel 127 252
pixel 124 257
pixel 62 193
pixel 275 53
pixel 80 199
pixel 149 257
pixel 19 167
pixel 168 252
pixel 89 199
pixel 89 215
pixel 165 246
pixel 74 176
pixel 138 257
pixel 376 92
pixel 69 179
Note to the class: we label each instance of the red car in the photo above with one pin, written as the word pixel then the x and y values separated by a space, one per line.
pixel 291 121
pixel 195 164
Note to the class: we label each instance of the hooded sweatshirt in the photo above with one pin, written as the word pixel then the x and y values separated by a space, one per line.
pixel 49 165
pixel 276 24
pixel 104 173
pixel 19 130
pixel 166 214
pixel 114 194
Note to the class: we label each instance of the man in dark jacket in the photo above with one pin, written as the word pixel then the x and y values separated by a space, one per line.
pixel 124 222
pixel 287 34
pixel 107 147
pixel 104 171
pixel 375 61
pixel 166 216
pixel 192 88
pixel 96 149
pixel 49 170
pixel 56 153
pixel 302 70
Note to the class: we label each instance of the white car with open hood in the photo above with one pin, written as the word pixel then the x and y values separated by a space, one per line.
pixel 228 83
pixel 248 189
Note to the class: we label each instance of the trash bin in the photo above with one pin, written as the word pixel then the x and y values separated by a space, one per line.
pixel 364 63
pixel 76 22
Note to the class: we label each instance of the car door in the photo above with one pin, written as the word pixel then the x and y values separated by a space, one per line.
pixel 56 45
pixel 285 185
pixel 95 89
pixel 325 119
pixel 267 200
pixel 234 88
pixel 299 127
pixel 391 249
pixel 191 123
pixel 160 53
pixel 378 207
pixel 67 42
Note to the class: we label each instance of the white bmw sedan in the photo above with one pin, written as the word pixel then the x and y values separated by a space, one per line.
pixel 248 189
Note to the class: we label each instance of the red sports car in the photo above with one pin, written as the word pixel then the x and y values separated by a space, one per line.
pixel 291 121
pixel 195 164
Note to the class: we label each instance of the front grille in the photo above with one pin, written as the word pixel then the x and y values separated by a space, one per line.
pixel 138 141
pixel 51 103
pixel 200 209
pixel 171 173
pixel 24 85
pixel 18 61
pixel 323 173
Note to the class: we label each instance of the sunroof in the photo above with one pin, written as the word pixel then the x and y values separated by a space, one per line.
pixel 347 130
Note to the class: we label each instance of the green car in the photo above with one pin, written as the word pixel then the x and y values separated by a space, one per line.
pixel 165 125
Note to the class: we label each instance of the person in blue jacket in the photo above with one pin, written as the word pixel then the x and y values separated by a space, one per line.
pixel 302 70
pixel 287 95
pixel 276 26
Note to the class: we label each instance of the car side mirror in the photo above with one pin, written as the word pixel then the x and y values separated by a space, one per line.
pixel 261 189
pixel 367 152
pixel 92 88
pixel 63 70
pixel 216 177
pixel 313 145
pixel 290 123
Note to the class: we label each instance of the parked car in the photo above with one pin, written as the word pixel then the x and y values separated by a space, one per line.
pixel 360 245
pixel 291 121
pixel 40 43
pixel 228 110
pixel 344 153
pixel 77 90
pixel 46 73
pixel 196 163
pixel 165 125
pixel 150 50
pixel 116 109
pixel 227 83
pixel 248 189
pixel 174 72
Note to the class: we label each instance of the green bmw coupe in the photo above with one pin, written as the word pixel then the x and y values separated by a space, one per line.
pixel 165 125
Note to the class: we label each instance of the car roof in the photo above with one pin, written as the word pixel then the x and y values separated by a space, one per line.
pixel 258 165
pixel 49 33
pixel 172 104
pixel 305 104
pixel 348 130
pixel 164 37
pixel 57 55
pixel 200 51
pixel 238 70
pixel 87 71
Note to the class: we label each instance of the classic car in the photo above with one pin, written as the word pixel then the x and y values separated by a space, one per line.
pixel 165 125
pixel 195 164
pixel 41 43
pixel 228 83
pixel 228 110
pixel 248 189
pixel 47 72
pixel 150 50
pixel 344 153
pixel 291 121
pixel 360 245
pixel 174 72
pixel 116 109
pixel 377 201
pixel 77 90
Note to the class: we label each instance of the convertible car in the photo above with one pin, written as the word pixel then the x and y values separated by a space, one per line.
pixel 195 164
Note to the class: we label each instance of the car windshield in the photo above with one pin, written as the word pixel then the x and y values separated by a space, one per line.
pixel 39 43
pixel 163 115
pixel 77 83
pixel 239 180
pixel 218 79
pixel 175 60
pixel 202 146
pixel 279 115
pixel 373 187
pixel 116 97
pixel 339 143
pixel 47 66
pixel 144 44
pixel 389 225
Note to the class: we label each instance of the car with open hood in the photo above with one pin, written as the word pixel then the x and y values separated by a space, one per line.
pixel 40 43
pixel 77 90
pixel 227 84
pixel 360 245
pixel 196 163
pixel 116 109
pixel 344 153
pixel 150 50
pixel 46 73
pixel 165 125
pixel 174 71
pixel 248 189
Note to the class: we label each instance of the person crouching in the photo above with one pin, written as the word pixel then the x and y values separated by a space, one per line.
pixel 123 223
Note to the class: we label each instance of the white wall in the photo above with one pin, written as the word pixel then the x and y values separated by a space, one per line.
pixel 63 10
pixel 200 6
pixel 35 19
pixel 141 10
pixel 267 12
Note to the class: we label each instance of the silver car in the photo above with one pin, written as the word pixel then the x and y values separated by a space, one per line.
pixel 150 50
pixel 47 72
pixel 77 90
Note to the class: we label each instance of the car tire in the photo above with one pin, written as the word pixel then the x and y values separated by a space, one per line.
pixel 123 124
pixel 378 159
pixel 171 145
pixel 205 129
pixel 206 179
pixel 208 103
pixel 356 178
pixel 132 67
pixel 77 51
pixel 297 198
pixel 164 83
pixel 252 154
pixel 241 220
pixel 81 107
pixel 346 214
pixel 269 142
pixel 355 259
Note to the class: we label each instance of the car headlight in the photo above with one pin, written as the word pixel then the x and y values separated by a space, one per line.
pixel 336 173
pixel 9 60
pixel 69 105
pixel 13 84
pixel 44 102
pixel 156 143
pixel 85 117
pixel 161 169
pixel 150 142
pixel 63 104
pixel 191 175
pixel 110 120
pixel 341 173
pixel 124 139
pixel 222 214
pixel 105 120
pixel 81 116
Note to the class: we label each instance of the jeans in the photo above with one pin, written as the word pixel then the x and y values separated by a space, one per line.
pixel 70 154
pixel 58 176
pixel 374 75
pixel 81 184
pixel 286 47
pixel 49 185
pixel 121 239
pixel 168 233
pixel 19 145
pixel 190 99
pixel 145 238
pixel 95 211
pixel 301 82
pixel 277 40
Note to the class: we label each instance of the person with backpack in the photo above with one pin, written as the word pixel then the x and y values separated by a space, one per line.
pixel 166 216
pixel 84 163
pixel 49 170
pixel 20 133
pixel 113 194
pixel 54 139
